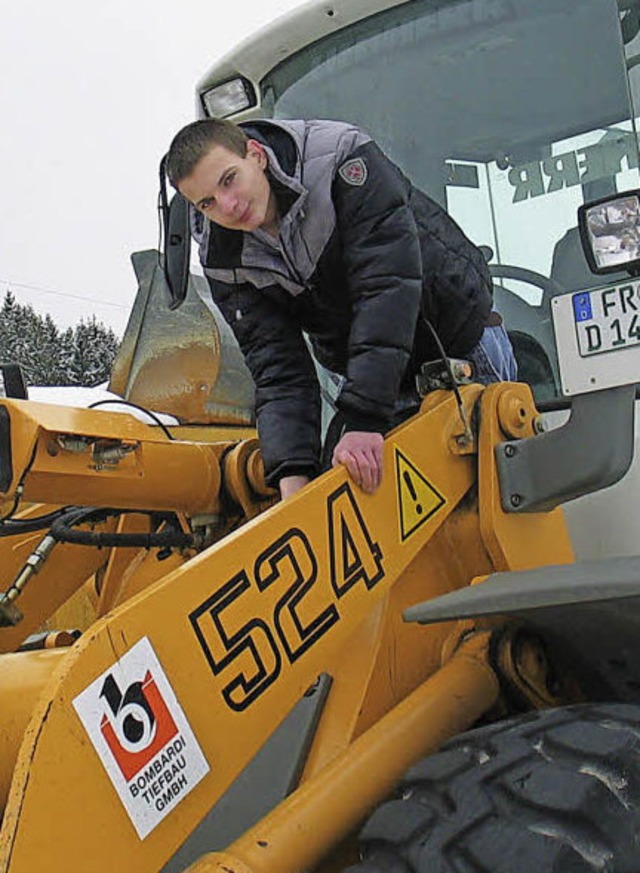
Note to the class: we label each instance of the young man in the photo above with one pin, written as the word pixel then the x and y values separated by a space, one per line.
pixel 308 226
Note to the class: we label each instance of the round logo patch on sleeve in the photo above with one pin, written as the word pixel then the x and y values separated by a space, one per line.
pixel 354 172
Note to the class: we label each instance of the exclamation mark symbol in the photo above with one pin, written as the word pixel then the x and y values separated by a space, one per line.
pixel 412 491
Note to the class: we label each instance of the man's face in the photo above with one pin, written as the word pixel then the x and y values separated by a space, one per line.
pixel 231 191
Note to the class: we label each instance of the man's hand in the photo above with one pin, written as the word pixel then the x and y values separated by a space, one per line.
pixel 290 484
pixel 361 453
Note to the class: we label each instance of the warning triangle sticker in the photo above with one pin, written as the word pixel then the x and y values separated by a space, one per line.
pixel 418 500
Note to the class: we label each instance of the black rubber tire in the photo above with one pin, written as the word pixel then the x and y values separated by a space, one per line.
pixel 550 792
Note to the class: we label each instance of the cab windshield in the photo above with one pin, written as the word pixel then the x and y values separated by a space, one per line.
pixel 509 113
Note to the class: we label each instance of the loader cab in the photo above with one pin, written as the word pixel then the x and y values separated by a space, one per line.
pixel 509 113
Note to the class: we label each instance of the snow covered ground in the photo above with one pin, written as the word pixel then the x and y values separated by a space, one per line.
pixel 86 397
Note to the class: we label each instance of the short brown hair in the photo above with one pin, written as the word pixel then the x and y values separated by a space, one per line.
pixel 193 142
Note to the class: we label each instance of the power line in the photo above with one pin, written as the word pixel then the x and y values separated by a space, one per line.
pixel 43 290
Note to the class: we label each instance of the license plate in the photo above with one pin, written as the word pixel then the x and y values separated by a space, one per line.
pixel 607 319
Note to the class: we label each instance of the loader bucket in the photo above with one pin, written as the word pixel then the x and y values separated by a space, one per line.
pixel 184 362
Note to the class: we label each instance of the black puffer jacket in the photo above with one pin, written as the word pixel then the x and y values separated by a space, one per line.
pixel 360 253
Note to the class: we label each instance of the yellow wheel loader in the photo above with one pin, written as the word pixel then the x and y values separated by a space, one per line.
pixel 247 681
pixel 441 677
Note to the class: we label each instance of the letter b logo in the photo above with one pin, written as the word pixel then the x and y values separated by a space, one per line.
pixel 136 724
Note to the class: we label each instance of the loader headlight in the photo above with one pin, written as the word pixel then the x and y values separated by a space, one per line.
pixel 229 98
pixel 610 233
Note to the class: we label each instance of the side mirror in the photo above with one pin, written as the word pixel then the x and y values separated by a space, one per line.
pixel 12 383
pixel 177 249
pixel 610 233
pixel 176 229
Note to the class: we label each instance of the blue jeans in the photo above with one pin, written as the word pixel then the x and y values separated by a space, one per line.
pixel 492 358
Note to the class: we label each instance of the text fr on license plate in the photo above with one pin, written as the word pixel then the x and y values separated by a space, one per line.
pixel 607 318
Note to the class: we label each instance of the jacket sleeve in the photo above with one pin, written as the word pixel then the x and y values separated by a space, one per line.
pixel 287 390
pixel 381 252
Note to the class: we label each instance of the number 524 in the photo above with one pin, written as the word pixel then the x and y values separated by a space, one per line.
pixel 251 654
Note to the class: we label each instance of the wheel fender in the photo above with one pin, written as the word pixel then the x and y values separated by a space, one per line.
pixel 588 613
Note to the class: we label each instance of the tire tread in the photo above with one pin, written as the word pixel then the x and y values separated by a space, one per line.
pixel 556 791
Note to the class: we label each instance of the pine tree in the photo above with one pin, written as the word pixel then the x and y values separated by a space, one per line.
pixel 66 350
pixel 46 337
pixel 82 355
pixel 95 347
pixel 20 340
pixel 8 328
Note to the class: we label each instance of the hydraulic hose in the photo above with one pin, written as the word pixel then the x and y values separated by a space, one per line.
pixel 13 526
pixel 63 531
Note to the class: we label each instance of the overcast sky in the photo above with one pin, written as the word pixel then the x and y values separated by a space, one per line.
pixel 90 95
